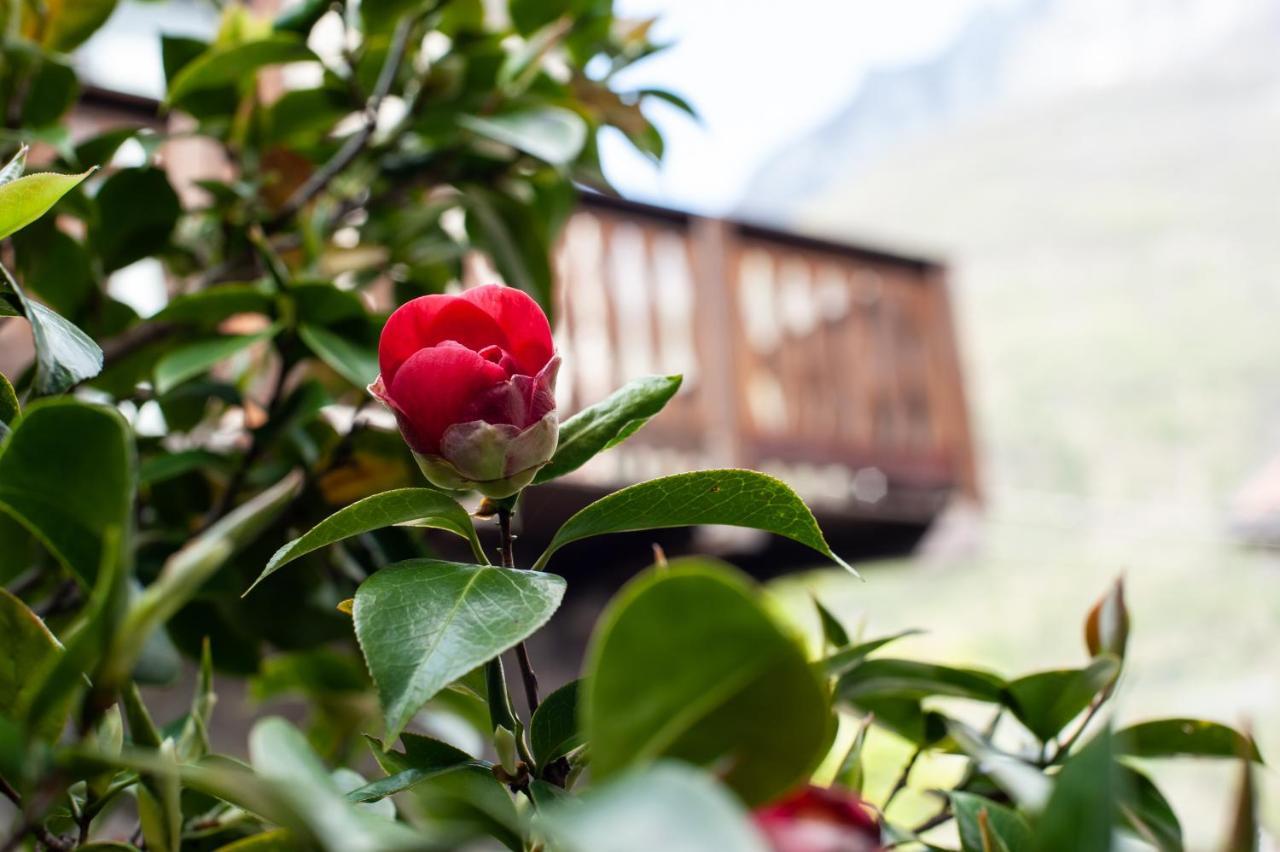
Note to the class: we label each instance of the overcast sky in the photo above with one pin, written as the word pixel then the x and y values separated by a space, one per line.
pixel 761 72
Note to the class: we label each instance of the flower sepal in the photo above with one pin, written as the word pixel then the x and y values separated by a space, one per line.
pixel 497 460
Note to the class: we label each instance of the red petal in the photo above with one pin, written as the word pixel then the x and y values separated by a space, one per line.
pixel 434 387
pixel 528 332
pixel 429 320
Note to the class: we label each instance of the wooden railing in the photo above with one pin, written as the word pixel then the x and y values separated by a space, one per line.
pixel 832 366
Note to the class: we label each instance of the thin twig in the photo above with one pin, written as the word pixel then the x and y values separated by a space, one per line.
pixel 227 501
pixel 28 825
pixel 507 555
pixel 901 783
pixel 1094 706
pixel 354 145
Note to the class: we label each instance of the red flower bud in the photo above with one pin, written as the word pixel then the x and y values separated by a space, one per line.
pixel 471 379
pixel 815 819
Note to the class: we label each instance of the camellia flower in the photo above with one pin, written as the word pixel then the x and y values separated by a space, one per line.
pixel 471 379
pixel 815 819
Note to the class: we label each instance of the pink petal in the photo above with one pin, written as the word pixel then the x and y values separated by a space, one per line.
pixel 527 330
pixel 433 389
pixel 429 320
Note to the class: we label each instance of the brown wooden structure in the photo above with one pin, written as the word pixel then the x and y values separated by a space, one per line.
pixel 833 366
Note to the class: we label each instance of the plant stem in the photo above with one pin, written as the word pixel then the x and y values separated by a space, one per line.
pixel 901 783
pixel 507 554
pixel 227 501
pixel 1094 706
pixel 356 143
pixel 28 825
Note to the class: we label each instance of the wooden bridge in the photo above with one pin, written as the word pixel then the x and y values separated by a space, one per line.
pixel 831 366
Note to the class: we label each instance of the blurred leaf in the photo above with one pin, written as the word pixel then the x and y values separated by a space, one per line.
pixel 833 633
pixel 553 134
pixel 55 267
pixel 1106 629
pixel 1025 784
pixel 316 674
pixel 67 475
pixel 301 17
pixel 351 782
pixel 52 88
pixel 1007 825
pixel 69 23
pixel 221 66
pixel 1047 701
pixel 1184 738
pixel 26 199
pixel 746 701
pixel 740 498
pixel 65 355
pixel 167 466
pixel 671 98
pixel 607 423
pixel 137 211
pixel 188 569
pixel 355 363
pixel 419 507
pixel 13 169
pixel 424 623
pixel 29 649
pixel 667 806
pixel 142 728
pixel 9 407
pixel 207 308
pixel 1147 813
pixel 515 239
pixel 192 360
pixel 280 754
pixel 160 807
pixel 554 730
pixel 914 679
pixel 851 773
pixel 522 65
pixel 843 659
pixel 1082 807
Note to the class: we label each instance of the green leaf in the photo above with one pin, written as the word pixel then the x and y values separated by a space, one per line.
pixel 1184 738
pixel 1146 812
pixel 419 507
pixel 667 806
pixel 142 728
pixel 160 805
pixel 833 633
pixel 190 361
pixel 553 134
pixel 67 475
pixel 207 308
pixel 671 98
pixel 349 781
pixel 1047 701
pixel 915 679
pixel 739 498
pixel 29 648
pixel 423 757
pixel 26 199
pixel 69 23
pixel 606 424
pixel 235 64
pixel 167 466
pixel 1025 784
pixel 688 663
pixel 280 754
pixel 1082 807
pixel 191 567
pixel 554 730
pixel 851 773
pixel 843 659
pixel 1007 825
pixel 65 355
pixel 301 17
pixel 137 211
pixel 9 407
pixel 355 363
pixel 423 624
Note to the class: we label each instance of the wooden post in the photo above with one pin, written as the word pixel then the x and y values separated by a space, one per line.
pixel 718 326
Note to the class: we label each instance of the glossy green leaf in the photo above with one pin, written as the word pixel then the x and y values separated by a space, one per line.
pixel 422 758
pixel 1082 807
pixel 355 363
pixel 843 659
pixel 207 308
pixel 607 423
pixel 1146 812
pixel 688 663
pixel 1007 825
pixel 65 355
pixel 915 679
pixel 228 65
pixel 423 624
pixel 667 806
pixel 350 782
pixel 191 567
pixel 194 359
pixel 280 754
pixel 420 507
pixel 1184 738
pixel 26 199
pixel 555 730
pixel 739 498
pixel 1047 701
pixel 69 23
pixel 29 648
pixel 67 475
pixel 550 133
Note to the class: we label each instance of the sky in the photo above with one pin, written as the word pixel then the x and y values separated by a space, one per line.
pixel 760 72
